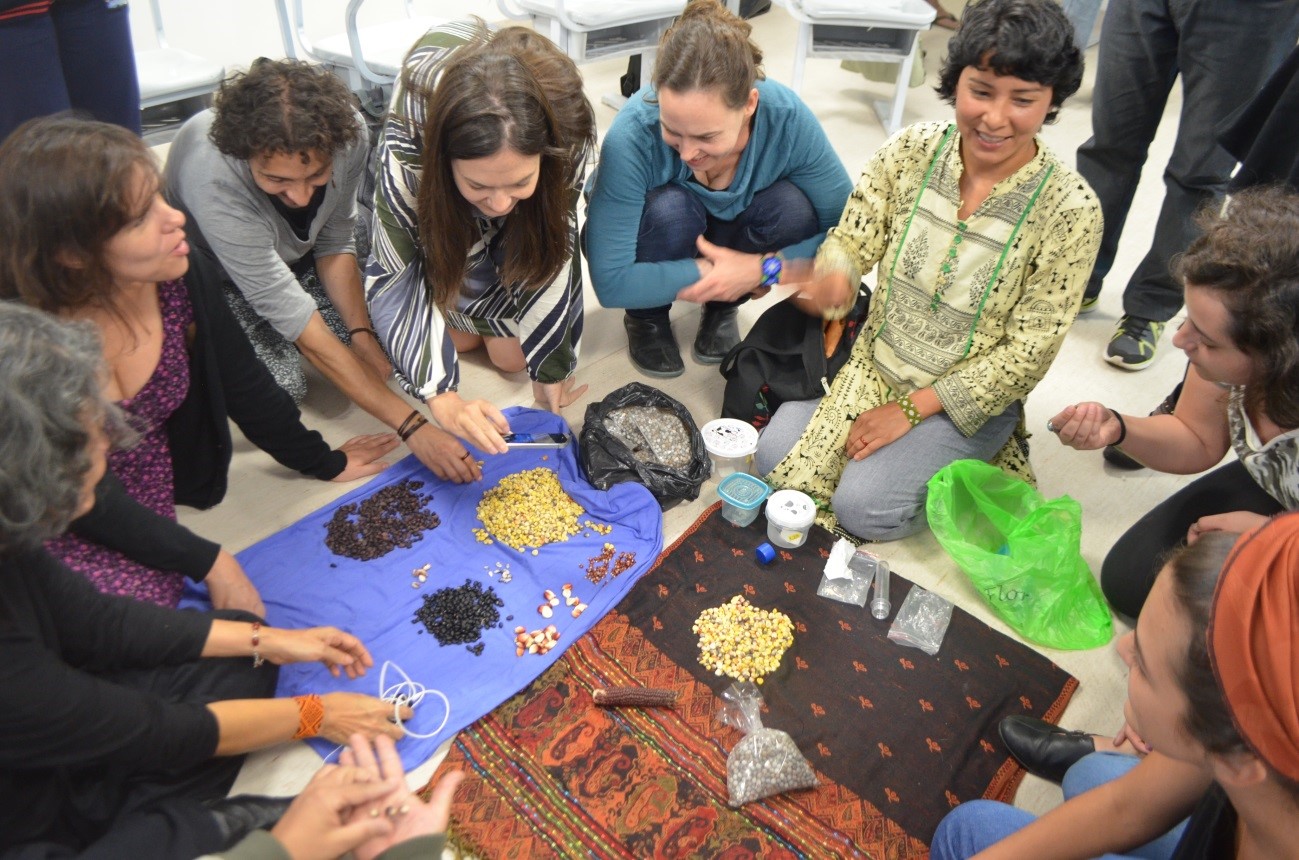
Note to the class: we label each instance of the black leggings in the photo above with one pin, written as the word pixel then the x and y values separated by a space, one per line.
pixel 1131 565
pixel 118 812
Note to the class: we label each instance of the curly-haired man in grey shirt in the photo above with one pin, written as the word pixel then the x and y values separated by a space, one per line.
pixel 268 181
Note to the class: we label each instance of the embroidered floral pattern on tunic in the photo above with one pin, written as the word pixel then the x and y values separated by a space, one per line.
pixel 987 345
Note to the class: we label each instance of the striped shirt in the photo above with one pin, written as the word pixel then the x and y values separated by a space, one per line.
pixel 547 319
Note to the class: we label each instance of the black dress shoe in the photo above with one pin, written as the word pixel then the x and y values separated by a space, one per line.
pixel 718 334
pixel 1043 749
pixel 652 347
pixel 240 815
pixel 1115 457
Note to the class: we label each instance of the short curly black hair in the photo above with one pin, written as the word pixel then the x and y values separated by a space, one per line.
pixel 1030 39
pixel 283 106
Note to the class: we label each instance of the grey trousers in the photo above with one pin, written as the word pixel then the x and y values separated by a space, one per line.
pixel 1224 50
pixel 883 496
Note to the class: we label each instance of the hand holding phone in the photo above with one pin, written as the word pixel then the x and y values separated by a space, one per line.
pixel 536 440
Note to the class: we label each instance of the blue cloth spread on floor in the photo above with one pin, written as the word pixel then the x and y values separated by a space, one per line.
pixel 304 584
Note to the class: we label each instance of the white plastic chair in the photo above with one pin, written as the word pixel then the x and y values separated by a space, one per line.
pixel 367 58
pixel 168 74
pixel 588 30
pixel 875 30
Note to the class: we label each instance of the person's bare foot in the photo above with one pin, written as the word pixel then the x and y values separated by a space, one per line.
pixel 945 19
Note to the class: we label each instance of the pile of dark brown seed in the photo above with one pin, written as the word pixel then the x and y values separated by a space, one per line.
pixel 392 517
pixel 458 615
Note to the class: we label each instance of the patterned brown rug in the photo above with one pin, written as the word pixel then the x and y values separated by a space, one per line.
pixel 896 737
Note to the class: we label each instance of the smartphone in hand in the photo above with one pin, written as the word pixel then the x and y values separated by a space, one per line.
pixel 536 440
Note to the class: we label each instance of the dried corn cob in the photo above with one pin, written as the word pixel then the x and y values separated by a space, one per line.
pixel 635 697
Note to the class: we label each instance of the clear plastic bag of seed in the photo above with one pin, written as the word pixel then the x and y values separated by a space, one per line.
pixel 766 761
pixel 922 621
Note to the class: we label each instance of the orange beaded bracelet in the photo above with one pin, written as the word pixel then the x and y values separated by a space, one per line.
pixel 311 713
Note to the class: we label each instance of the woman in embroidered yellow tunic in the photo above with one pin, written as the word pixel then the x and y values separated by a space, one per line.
pixel 984 241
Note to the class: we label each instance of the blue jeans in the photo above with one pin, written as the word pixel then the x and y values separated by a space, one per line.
pixel 1224 50
pixel 77 55
pixel 974 826
pixel 779 215
pixel 883 496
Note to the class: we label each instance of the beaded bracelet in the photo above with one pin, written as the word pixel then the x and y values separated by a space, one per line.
pixel 909 409
pixel 258 659
pixel 363 330
pixel 311 713
pixel 1123 428
pixel 413 422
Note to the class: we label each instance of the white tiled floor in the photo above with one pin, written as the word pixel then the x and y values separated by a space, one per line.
pixel 264 498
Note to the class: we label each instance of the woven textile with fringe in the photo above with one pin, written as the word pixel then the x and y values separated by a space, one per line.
pixel 896 737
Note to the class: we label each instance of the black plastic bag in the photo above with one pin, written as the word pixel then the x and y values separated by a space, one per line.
pixel 607 461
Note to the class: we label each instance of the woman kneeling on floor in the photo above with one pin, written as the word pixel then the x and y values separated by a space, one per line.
pixel 475 231
pixel 1211 685
pixel 984 240
pixel 86 234
pixel 1241 394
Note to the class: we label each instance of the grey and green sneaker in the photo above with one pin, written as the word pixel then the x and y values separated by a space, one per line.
pixel 1089 304
pixel 1133 345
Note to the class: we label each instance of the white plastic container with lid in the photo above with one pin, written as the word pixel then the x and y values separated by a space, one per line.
pixel 731 443
pixel 790 515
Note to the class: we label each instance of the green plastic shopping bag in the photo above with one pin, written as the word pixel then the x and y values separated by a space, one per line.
pixel 1022 552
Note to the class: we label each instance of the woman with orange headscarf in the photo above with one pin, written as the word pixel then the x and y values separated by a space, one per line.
pixel 1213 679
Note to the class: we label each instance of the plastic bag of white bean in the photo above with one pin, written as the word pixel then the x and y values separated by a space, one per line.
pixel 638 433
pixel 766 761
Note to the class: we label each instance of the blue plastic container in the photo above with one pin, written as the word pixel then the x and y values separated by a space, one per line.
pixel 742 495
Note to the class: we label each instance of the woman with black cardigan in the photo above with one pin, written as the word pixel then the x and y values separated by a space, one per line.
pixel 88 236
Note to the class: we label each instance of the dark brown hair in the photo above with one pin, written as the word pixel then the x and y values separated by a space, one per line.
pixel 708 48
pixel 286 106
pixel 1250 258
pixel 1195 570
pixel 1029 39
pixel 67 186
pixel 515 90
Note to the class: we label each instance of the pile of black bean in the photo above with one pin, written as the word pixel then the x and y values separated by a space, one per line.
pixel 458 615
pixel 392 517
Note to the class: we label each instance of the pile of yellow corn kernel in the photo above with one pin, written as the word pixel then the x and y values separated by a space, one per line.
pixel 528 509
pixel 741 641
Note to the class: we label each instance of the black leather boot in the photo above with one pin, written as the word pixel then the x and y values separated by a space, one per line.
pixel 718 334
pixel 240 815
pixel 652 347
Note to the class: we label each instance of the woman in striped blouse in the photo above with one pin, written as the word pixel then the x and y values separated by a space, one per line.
pixel 475 224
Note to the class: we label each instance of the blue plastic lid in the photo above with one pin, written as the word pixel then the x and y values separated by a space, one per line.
pixel 743 490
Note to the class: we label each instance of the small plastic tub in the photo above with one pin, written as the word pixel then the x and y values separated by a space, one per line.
pixel 731 443
pixel 789 516
pixel 742 495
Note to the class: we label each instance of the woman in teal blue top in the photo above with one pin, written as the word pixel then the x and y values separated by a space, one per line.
pixel 707 183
